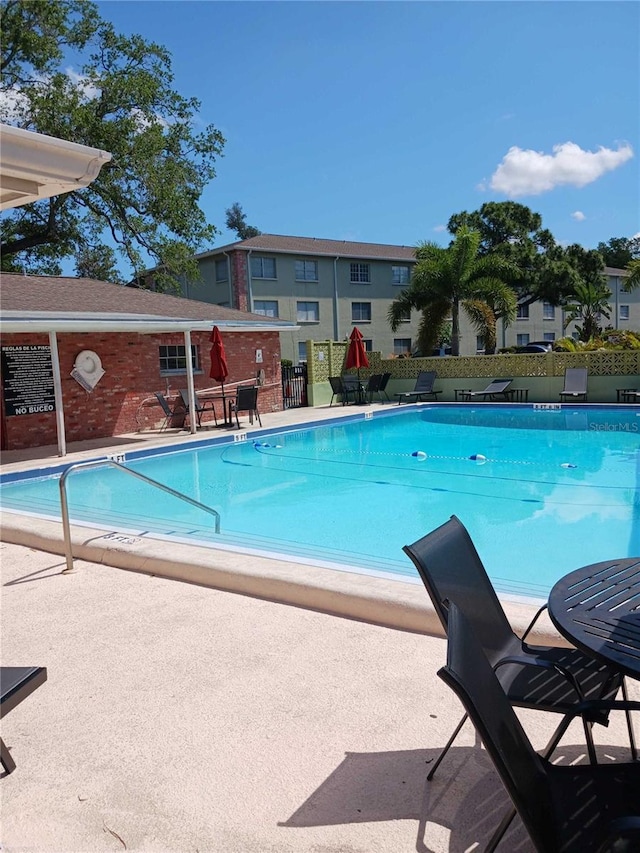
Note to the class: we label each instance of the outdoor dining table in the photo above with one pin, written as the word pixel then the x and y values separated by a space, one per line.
pixel 226 399
pixel 597 608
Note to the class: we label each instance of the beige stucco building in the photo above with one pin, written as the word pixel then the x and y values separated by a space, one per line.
pixel 328 286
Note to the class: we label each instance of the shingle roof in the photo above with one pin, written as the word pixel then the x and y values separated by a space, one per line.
pixel 86 295
pixel 317 246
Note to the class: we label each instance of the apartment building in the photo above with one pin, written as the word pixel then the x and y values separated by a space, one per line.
pixel 326 287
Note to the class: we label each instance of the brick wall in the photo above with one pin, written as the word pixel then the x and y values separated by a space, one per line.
pixel 239 280
pixel 123 402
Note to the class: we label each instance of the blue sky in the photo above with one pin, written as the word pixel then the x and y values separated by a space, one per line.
pixel 376 121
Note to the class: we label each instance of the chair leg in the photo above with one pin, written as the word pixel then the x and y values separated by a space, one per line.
pixel 5 758
pixel 500 831
pixel 632 740
pixel 455 734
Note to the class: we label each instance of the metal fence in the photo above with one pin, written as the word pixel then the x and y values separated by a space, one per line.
pixel 294 386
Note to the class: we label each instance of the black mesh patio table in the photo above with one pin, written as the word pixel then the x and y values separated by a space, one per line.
pixel 597 608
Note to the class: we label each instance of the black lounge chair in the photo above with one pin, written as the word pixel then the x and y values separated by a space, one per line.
pixel 575 383
pixel 546 678
pixel 16 683
pixel 497 389
pixel 583 808
pixel 169 413
pixel 423 388
pixel 246 401
pixel 207 406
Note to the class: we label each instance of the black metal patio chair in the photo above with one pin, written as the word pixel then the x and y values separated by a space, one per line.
pixel 546 678
pixel 169 412
pixel 573 808
pixel 423 388
pixel 246 401
pixel 207 406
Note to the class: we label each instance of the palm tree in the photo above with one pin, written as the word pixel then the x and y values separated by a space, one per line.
pixel 445 280
pixel 590 302
pixel 633 268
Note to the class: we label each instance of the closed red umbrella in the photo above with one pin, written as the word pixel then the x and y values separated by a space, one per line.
pixel 356 354
pixel 219 370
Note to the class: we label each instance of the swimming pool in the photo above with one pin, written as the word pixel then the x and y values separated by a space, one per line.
pixel 541 490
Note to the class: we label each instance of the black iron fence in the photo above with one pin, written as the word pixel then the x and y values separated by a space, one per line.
pixel 294 386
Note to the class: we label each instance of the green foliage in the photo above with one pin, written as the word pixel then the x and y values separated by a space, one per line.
pixel 121 100
pixel 612 339
pixel 618 252
pixel 633 281
pixel 445 280
pixel 236 221
pixel 591 302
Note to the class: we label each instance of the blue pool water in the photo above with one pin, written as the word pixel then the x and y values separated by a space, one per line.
pixel 540 491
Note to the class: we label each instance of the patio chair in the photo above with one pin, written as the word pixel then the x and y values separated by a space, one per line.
pixel 575 383
pixel 169 413
pixel 546 678
pixel 16 683
pixel 246 401
pixel 207 406
pixel 353 386
pixel 373 386
pixel 383 387
pixel 423 388
pixel 497 389
pixel 573 808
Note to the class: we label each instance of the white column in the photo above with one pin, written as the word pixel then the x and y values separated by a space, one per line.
pixel 57 391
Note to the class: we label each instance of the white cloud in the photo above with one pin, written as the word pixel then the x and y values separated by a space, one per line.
pixel 87 89
pixel 578 215
pixel 440 228
pixel 527 172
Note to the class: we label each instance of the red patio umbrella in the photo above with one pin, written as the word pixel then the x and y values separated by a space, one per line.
pixel 356 354
pixel 219 370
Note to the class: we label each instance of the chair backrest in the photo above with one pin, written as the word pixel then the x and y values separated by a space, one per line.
pixel 451 570
pixel 384 381
pixel 425 380
pixel 373 385
pixel 166 408
pixel 497 385
pixel 575 380
pixel 336 384
pixel 184 396
pixel 522 771
pixel 247 398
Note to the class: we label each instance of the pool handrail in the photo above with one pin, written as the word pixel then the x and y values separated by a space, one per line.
pixel 64 504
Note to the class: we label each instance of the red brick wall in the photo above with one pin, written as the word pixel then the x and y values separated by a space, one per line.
pixel 120 402
pixel 239 280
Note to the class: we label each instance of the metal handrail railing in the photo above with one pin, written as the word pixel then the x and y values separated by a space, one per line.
pixel 64 504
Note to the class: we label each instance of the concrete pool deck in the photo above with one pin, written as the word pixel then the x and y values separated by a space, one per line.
pixel 180 717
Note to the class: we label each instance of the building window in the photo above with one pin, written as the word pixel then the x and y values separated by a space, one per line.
pixel 263 267
pixel 368 344
pixel 222 270
pixel 548 311
pixel 306 270
pixel 302 352
pixel 623 312
pixel 479 343
pixel 173 359
pixel 406 316
pixel 266 307
pixel 360 274
pixel 522 340
pixel 360 312
pixel 401 346
pixel 549 336
pixel 308 312
pixel 523 312
pixel 400 275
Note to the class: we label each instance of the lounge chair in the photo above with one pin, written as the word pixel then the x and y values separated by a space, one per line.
pixel 16 683
pixel 546 678
pixel 497 389
pixel 573 808
pixel 246 401
pixel 207 406
pixel 423 388
pixel 575 383
pixel 169 413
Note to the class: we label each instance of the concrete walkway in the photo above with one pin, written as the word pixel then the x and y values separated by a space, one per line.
pixel 181 718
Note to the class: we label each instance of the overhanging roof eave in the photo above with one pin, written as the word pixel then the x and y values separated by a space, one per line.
pixel 19 322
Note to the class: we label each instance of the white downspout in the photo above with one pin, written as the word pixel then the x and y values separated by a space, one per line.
pixel 193 417
pixel 57 392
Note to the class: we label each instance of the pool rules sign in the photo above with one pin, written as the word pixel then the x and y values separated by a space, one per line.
pixel 27 378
